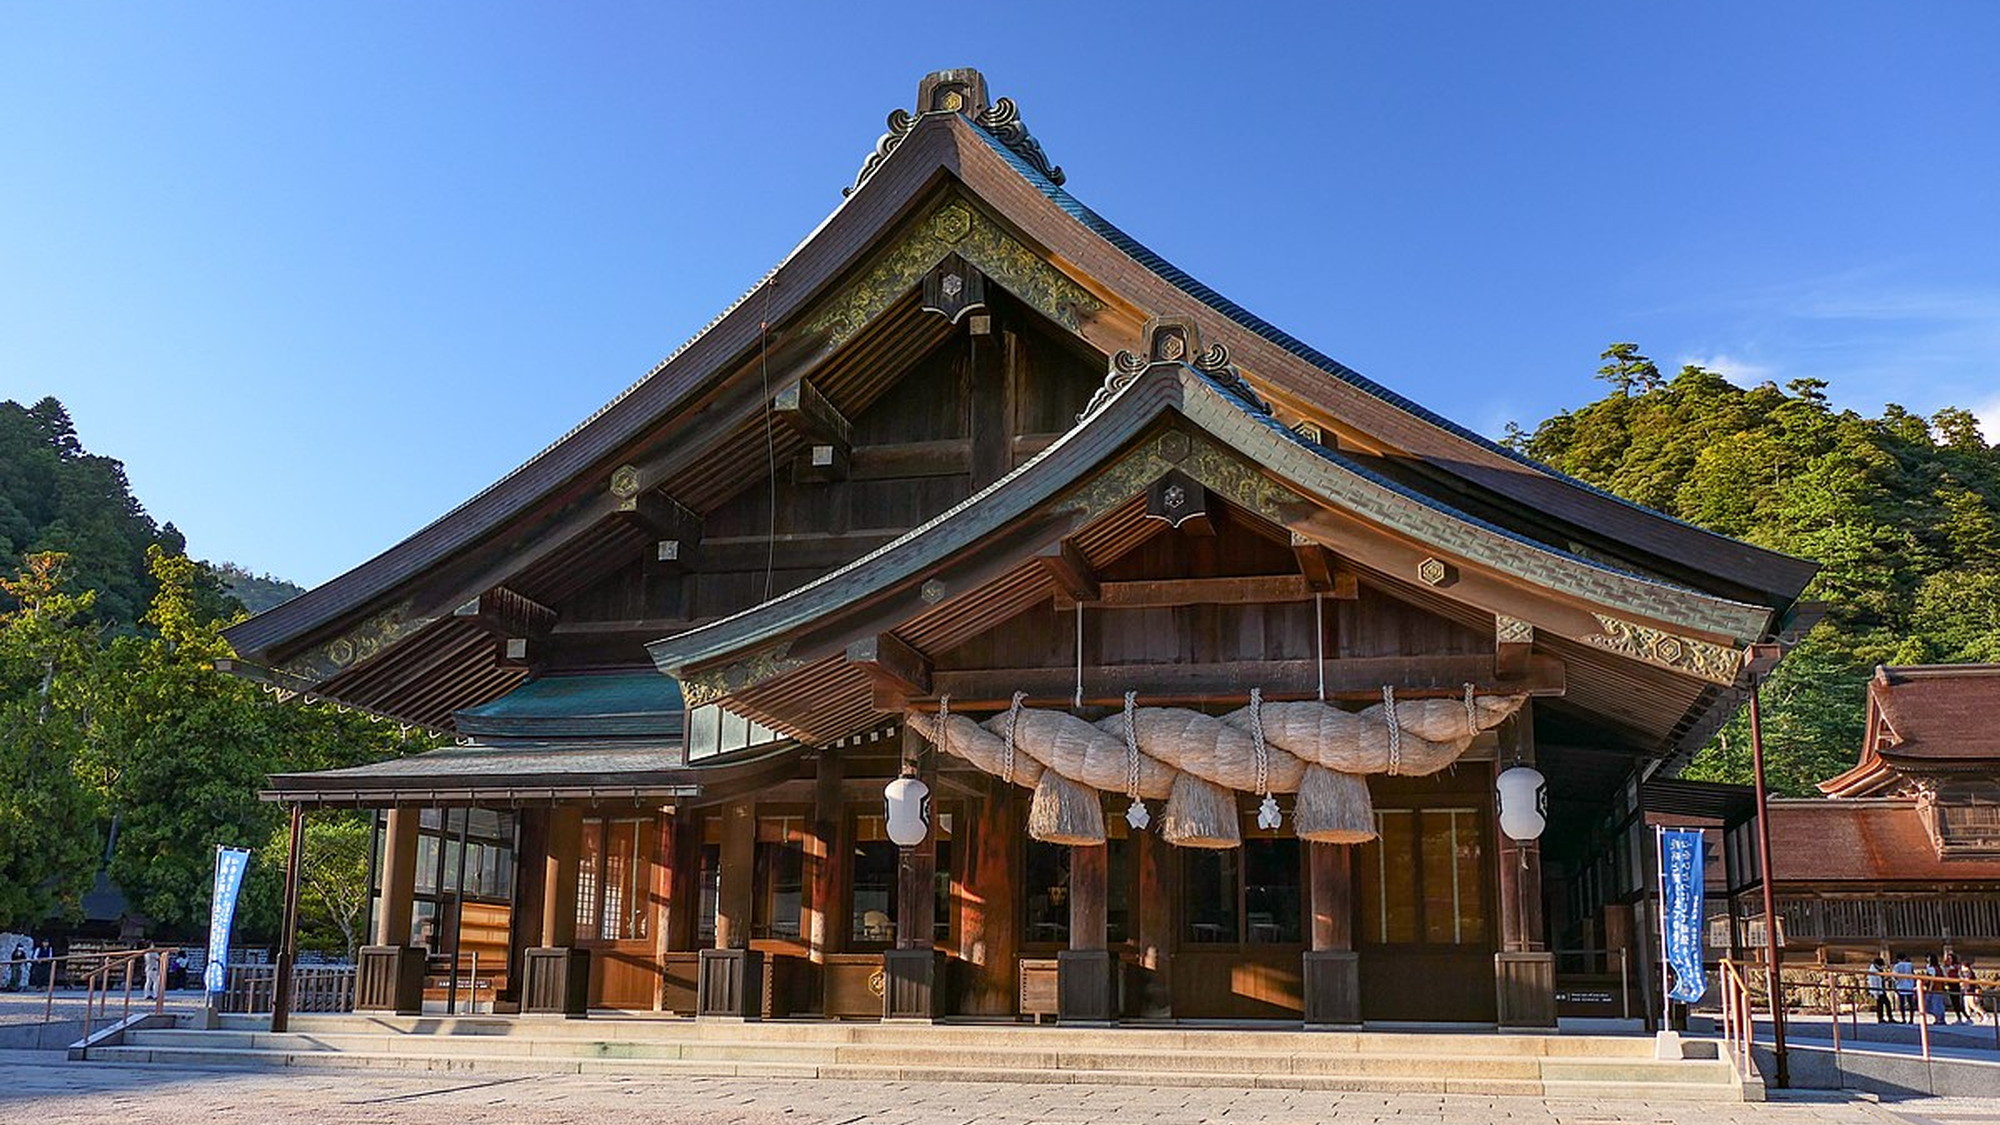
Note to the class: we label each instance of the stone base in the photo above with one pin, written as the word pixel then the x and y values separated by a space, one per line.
pixel 389 978
pixel 912 983
pixel 1333 988
pixel 1525 985
pixel 1086 986
pixel 556 982
pixel 729 985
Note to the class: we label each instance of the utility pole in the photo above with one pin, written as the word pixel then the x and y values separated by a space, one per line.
pixel 1771 962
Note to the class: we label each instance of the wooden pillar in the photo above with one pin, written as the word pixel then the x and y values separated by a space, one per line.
pixel 664 892
pixel 524 929
pixel 399 877
pixel 1523 970
pixel 910 973
pixel 559 876
pixel 684 920
pixel 824 933
pixel 989 926
pixel 1086 972
pixel 288 934
pixel 730 979
pixel 556 976
pixel 389 975
pixel 739 867
pixel 1332 968
pixel 1154 906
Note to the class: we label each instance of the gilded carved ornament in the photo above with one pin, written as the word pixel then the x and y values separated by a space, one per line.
pixel 323 662
pixel 954 226
pixel 1715 663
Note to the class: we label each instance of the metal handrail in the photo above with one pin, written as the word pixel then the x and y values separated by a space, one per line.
pixel 1739 1015
pixel 1834 983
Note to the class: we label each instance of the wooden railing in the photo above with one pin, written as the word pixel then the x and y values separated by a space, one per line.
pixel 1926 919
pixel 315 988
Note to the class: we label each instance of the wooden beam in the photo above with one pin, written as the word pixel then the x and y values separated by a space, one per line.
pixel 1513 644
pixel 1413 677
pixel 892 663
pixel 676 530
pixel 503 612
pixel 829 437
pixel 806 410
pixel 1070 570
pixel 1162 593
pixel 1323 570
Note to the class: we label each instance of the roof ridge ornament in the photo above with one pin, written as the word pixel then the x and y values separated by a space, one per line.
pixel 962 91
pixel 1178 341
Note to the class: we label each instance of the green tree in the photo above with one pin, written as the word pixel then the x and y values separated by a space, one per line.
pixel 1902 514
pixel 48 815
pixel 333 879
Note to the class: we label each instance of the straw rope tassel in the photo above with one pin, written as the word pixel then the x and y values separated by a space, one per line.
pixel 1136 814
pixel 1268 816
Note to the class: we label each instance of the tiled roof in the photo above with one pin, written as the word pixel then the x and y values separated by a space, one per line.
pixel 1835 841
pixel 1939 712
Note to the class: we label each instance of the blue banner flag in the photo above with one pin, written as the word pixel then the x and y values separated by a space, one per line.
pixel 1682 911
pixel 229 867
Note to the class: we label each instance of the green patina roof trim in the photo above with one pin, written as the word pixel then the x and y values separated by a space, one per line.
pixel 581 706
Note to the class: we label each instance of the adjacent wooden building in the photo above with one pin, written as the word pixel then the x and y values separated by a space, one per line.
pixel 975 484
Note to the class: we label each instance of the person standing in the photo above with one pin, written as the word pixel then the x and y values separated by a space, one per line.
pixel 1954 989
pixel 1878 988
pixel 1906 988
pixel 17 970
pixel 45 964
pixel 1933 992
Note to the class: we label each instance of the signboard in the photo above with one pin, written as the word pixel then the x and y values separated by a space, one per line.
pixel 1681 911
pixel 230 864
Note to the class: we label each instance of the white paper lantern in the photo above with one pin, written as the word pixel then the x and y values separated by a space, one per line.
pixel 1524 803
pixel 907 809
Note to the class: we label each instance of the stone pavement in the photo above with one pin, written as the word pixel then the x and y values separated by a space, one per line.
pixel 39 1090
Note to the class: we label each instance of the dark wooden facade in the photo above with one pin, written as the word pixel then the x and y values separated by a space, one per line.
pixel 1014 452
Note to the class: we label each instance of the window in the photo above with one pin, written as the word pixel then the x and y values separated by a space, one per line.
pixel 714 729
pixel 709 877
pixel 1045 890
pixel 613 880
pixel 780 877
pixel 1422 880
pixel 873 919
pixel 1251 893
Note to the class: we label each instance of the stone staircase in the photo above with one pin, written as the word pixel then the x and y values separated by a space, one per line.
pixel 1553 1066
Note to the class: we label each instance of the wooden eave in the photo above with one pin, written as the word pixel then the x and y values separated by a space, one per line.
pixel 1310 490
pixel 701 392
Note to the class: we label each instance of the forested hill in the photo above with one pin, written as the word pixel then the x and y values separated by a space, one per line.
pixel 1902 513
pixel 114 723
pixel 57 496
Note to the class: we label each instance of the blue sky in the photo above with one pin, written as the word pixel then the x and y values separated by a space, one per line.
pixel 317 273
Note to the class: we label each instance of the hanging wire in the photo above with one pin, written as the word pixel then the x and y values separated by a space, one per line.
pixel 770 435
pixel 1079 656
pixel 1319 641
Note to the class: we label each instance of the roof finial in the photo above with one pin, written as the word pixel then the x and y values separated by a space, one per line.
pixel 961 90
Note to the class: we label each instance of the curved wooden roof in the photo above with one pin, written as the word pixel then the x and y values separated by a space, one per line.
pixel 692 399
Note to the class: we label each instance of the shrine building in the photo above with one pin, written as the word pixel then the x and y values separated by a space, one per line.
pixel 1187 657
